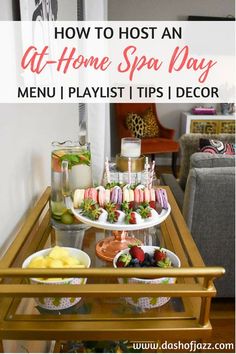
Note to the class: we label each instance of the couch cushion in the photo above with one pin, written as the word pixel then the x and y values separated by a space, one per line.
pixel 209 210
pixel 216 147
pixel 207 160
pixel 189 144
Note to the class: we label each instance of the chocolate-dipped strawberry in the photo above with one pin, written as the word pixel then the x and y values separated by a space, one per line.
pixel 132 217
pixel 123 260
pixel 144 211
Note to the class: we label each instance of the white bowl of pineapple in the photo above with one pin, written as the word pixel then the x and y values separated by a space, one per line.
pixel 57 257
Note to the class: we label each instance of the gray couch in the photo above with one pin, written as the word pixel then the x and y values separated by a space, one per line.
pixel 205 193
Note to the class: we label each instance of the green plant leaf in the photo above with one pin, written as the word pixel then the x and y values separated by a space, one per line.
pixel 82 158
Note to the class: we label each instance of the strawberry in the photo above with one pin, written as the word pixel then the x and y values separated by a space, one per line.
pixel 110 207
pixel 95 213
pixel 137 252
pixel 113 216
pixel 159 255
pixel 123 260
pixel 158 208
pixel 144 210
pixel 152 204
pixel 133 205
pixel 90 209
pixel 132 218
pixel 125 207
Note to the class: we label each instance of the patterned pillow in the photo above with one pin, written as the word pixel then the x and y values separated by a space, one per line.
pixel 142 127
pixel 151 129
pixel 135 124
pixel 216 147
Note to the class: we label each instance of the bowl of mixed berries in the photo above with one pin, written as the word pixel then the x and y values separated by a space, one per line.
pixel 146 256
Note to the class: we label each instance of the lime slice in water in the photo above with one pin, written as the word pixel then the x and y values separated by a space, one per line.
pixel 67 218
pixel 58 208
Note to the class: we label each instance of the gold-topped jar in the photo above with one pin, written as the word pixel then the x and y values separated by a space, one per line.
pixel 137 163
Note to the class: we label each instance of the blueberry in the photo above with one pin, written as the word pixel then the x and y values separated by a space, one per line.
pixel 136 265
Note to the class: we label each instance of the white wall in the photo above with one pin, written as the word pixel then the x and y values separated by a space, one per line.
pixel 26 133
pixel 67 10
pixel 168 10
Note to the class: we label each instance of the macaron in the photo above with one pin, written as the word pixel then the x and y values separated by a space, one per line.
pixel 78 197
pixel 131 195
pixel 120 195
pixel 91 193
pixel 146 195
pixel 164 198
pixel 159 197
pixel 136 196
pixel 125 195
pixel 152 195
pixel 107 196
pixel 140 186
pixel 101 196
pixel 116 195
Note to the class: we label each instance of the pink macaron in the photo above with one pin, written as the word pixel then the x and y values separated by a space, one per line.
pixel 101 195
pixel 138 195
pixel 91 193
pixel 152 195
pixel 146 195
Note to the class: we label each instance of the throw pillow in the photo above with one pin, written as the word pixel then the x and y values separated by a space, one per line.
pixel 151 128
pixel 216 147
pixel 135 124
pixel 144 126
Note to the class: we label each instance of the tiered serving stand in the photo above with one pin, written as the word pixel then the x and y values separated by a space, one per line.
pixel 119 238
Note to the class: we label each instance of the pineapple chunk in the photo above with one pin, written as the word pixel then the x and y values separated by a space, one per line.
pixel 54 263
pixel 38 262
pixel 58 252
pixel 70 261
pixel 58 258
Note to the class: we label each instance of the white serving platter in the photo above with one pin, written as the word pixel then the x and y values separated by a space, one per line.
pixel 121 226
